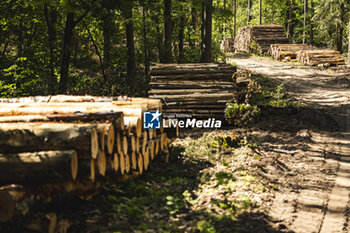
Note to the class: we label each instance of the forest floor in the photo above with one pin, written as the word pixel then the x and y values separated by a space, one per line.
pixel 289 173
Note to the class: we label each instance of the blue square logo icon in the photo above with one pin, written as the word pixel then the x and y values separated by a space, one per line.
pixel 151 120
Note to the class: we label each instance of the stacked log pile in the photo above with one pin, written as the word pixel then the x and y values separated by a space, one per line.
pixel 200 90
pixel 320 58
pixel 65 139
pixel 257 39
pixel 287 51
pixel 227 45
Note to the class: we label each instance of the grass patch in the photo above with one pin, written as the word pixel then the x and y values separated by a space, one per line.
pixel 208 186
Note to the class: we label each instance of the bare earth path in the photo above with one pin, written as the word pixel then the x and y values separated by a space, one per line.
pixel 312 147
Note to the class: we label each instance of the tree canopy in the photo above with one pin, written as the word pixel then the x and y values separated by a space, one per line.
pixel 106 47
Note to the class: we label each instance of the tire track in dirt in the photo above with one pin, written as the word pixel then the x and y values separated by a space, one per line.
pixel 316 197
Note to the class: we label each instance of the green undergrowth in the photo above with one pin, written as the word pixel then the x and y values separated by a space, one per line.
pixel 262 97
pixel 209 185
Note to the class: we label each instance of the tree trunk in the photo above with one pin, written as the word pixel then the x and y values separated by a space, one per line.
pixel 145 41
pixel 38 166
pixel 349 42
pixel 202 28
pixel 207 53
pixel 51 20
pixel 97 50
pixel 194 18
pixel 311 24
pixel 159 39
pixel 249 13
pixel 108 26
pixel 260 12
pixel 234 18
pixel 130 44
pixel 66 50
pixel 224 22
pixel 167 32
pixel 290 19
pixel 40 137
pixel 181 38
pixel 340 29
pixel 305 21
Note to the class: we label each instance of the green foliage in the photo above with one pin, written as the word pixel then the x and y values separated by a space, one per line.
pixel 18 79
pixel 241 114
pixel 261 93
pixel 255 47
pixel 25 25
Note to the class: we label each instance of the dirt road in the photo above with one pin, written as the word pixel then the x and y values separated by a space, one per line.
pixel 310 148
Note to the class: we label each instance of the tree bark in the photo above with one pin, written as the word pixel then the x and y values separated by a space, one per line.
pixel 311 24
pixel 194 19
pixel 234 18
pixel 97 51
pixel 38 166
pixel 305 21
pixel 202 28
pixel 130 43
pixel 51 20
pixel 207 53
pixel 66 49
pixel 349 43
pixel 181 38
pixel 167 32
pixel 65 58
pixel 224 22
pixel 40 137
pixel 260 12
pixel 108 26
pixel 145 41
pixel 340 29
pixel 249 13
pixel 290 19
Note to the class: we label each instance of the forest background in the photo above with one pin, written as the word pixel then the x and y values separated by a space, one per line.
pixel 106 47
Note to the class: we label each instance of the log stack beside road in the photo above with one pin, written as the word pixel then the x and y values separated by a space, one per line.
pixel 200 90
pixel 59 139
pixel 257 39
pixel 287 51
pixel 322 58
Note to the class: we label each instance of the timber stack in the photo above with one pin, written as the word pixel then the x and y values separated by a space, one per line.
pixel 257 39
pixel 324 58
pixel 287 52
pixel 200 90
pixel 227 45
pixel 70 140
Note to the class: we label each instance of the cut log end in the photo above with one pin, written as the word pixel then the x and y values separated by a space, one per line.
pixel 74 165
pixel 110 139
pixel 134 160
pixel 122 163
pixel 116 162
pixel 94 144
pixel 140 163
pixel 125 145
pixel 146 159
pixel 127 163
pixel 7 206
pixel 101 163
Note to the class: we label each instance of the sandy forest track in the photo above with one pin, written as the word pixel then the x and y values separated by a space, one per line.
pixel 312 146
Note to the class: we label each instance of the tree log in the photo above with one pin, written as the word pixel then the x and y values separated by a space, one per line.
pixel 38 166
pixel 46 136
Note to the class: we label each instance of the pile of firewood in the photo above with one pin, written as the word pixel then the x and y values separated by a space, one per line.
pixel 200 90
pixel 287 51
pixel 227 45
pixel 65 139
pixel 323 58
pixel 257 39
